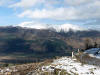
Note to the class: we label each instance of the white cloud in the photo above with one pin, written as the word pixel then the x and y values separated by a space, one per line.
pixel 57 9
pixel 57 14
pixel 26 3
pixel 34 3
pixel 87 12
pixel 5 2
pixel 37 25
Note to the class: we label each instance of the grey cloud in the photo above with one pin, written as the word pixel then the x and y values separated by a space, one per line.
pixel 77 2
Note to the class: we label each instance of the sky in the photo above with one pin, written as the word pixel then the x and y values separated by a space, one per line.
pixel 84 13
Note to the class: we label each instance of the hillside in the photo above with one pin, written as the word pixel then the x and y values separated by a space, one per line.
pixel 31 45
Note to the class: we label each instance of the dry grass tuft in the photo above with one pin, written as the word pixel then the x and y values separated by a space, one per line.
pixel 86 59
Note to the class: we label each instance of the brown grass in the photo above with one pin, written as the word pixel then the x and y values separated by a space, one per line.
pixel 86 59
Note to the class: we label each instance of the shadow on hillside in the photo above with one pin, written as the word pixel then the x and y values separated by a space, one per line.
pixel 19 61
pixel 37 57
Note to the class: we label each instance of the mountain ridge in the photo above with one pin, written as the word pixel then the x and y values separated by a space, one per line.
pixel 65 27
pixel 24 43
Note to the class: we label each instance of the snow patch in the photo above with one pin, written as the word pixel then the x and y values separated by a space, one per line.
pixel 93 52
pixel 72 67
pixel 65 27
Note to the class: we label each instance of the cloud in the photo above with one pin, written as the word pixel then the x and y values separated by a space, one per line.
pixel 26 3
pixel 92 22
pixel 56 14
pixel 77 2
pixel 71 13
pixel 5 2
pixel 37 25
pixel 63 10
pixel 35 3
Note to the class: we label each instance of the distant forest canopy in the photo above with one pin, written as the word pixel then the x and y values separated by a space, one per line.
pixel 17 39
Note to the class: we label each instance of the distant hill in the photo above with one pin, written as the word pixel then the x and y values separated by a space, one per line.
pixel 18 39
pixel 18 44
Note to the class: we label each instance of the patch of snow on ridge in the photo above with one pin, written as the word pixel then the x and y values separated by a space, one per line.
pixel 65 27
pixel 94 52
pixel 72 67
pixel 33 25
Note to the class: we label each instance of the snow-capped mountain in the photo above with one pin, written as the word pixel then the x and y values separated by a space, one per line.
pixel 64 27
